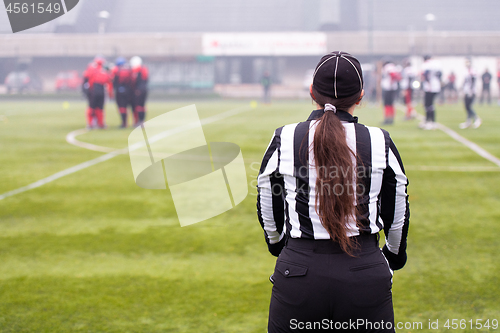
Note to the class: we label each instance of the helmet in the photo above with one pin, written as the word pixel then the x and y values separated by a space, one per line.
pixel 120 61
pixel 99 60
pixel 135 62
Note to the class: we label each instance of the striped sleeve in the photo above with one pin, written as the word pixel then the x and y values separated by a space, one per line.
pixel 394 207
pixel 271 196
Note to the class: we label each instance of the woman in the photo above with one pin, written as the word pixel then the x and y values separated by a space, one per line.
pixel 326 187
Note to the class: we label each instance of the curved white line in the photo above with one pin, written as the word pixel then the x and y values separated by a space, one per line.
pixel 112 154
pixel 71 139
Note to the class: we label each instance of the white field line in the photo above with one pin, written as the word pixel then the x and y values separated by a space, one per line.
pixel 59 174
pixel 471 145
pixel 452 168
pixel 71 136
pixel 474 147
pixel 117 152
pixel 71 139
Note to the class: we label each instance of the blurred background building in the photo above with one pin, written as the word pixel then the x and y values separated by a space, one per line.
pixel 219 44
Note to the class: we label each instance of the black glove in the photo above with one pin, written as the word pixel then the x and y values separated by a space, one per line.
pixel 396 261
pixel 275 249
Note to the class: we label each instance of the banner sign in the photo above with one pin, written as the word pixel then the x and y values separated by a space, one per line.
pixel 264 44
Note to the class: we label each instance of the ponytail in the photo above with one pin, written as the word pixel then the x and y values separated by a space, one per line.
pixel 335 191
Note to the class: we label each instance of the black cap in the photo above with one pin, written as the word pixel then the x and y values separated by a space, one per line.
pixel 338 75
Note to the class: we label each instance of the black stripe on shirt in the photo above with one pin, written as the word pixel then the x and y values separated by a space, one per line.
pixel 278 187
pixel 388 198
pixel 287 219
pixel 388 141
pixel 363 176
pixel 275 144
pixel 301 172
pixel 382 209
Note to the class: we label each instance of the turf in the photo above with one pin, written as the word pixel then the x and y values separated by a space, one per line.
pixel 92 252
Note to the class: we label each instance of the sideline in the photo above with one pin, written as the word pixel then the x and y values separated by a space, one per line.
pixel 60 174
pixel 471 145
pixel 476 148
pixel 441 168
pixel 117 152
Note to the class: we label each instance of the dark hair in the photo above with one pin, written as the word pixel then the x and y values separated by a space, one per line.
pixel 331 150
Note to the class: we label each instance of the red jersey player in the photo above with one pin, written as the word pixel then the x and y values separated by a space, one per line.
pixel 140 78
pixel 91 119
pixel 98 80
pixel 122 82
pixel 389 84
pixel 408 75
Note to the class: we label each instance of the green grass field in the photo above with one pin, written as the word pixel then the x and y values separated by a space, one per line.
pixel 93 252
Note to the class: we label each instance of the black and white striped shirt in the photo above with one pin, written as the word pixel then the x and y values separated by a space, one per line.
pixel 286 202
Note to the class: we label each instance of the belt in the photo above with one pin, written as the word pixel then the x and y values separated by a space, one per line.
pixel 360 243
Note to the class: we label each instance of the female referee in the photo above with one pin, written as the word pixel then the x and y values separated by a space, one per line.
pixel 326 188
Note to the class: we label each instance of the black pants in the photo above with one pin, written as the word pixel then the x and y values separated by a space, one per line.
pixel 485 93
pixel 430 112
pixel 317 287
pixel 468 100
pixel 140 98
pixel 123 98
pixel 96 100
pixel 389 96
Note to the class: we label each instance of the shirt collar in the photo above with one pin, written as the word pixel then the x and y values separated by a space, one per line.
pixel 343 116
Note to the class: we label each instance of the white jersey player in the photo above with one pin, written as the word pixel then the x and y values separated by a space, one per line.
pixel 469 89
pixel 431 84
